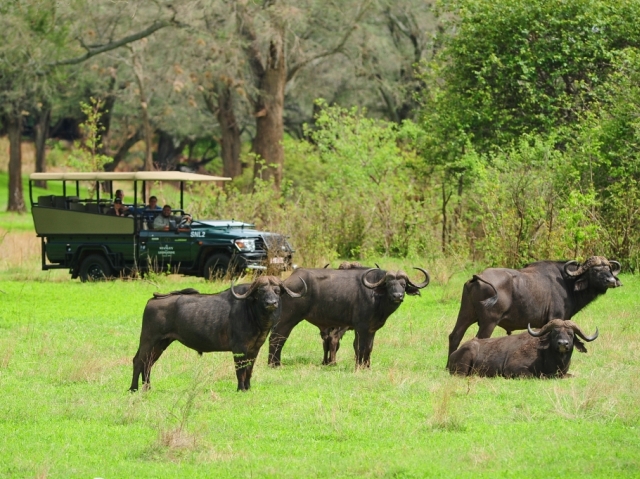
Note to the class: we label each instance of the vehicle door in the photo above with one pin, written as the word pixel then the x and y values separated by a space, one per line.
pixel 163 250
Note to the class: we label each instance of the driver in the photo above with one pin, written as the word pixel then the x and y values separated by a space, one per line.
pixel 164 220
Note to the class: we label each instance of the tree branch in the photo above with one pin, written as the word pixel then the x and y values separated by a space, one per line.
pixel 295 68
pixel 113 45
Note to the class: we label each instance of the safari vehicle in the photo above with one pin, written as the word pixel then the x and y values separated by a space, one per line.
pixel 76 234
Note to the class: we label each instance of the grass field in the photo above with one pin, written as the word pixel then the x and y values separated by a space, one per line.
pixel 65 366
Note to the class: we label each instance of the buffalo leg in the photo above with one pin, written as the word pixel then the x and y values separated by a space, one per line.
pixel 466 317
pixel 243 370
pixel 486 330
pixel 325 334
pixel 363 345
pixel 249 373
pixel 333 343
pixel 279 335
pixel 144 360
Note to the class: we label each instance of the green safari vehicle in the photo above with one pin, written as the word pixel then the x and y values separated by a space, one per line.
pixel 76 234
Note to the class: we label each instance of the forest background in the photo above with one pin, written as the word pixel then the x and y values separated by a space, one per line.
pixel 494 132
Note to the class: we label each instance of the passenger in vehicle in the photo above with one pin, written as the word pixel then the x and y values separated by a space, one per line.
pixel 120 196
pixel 166 221
pixel 118 209
pixel 151 211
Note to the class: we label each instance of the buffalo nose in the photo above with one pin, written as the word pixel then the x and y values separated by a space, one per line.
pixel 398 297
pixel 563 344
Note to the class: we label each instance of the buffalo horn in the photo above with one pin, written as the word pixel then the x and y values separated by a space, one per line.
pixel 618 267
pixel 579 332
pixel 575 273
pixel 372 285
pixel 543 330
pixel 294 294
pixel 245 295
pixel 424 283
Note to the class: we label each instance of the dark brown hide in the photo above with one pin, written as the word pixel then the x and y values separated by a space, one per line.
pixel 521 355
pixel 342 299
pixel 535 294
pixel 205 323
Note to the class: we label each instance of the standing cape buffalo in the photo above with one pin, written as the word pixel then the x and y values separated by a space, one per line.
pixel 545 353
pixel 357 299
pixel 331 337
pixel 536 294
pixel 236 321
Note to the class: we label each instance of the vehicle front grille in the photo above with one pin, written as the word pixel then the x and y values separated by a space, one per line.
pixel 260 245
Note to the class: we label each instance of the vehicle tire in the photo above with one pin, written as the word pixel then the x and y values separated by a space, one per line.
pixel 218 267
pixel 94 267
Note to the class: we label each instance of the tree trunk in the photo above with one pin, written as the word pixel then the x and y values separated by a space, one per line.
pixel 230 144
pixel 16 197
pixel 168 152
pixel 106 114
pixel 139 74
pixel 42 133
pixel 123 150
pixel 269 111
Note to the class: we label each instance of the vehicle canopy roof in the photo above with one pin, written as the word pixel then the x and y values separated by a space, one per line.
pixel 125 176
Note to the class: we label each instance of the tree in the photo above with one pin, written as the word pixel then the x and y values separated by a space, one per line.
pixel 291 37
pixel 28 34
pixel 518 66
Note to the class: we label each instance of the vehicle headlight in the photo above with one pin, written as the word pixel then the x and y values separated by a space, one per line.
pixel 246 244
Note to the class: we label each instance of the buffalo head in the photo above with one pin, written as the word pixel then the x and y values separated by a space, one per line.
pixel 596 272
pixel 266 291
pixel 394 285
pixel 559 335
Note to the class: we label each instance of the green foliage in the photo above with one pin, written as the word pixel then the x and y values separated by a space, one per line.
pixel 86 155
pixel 518 66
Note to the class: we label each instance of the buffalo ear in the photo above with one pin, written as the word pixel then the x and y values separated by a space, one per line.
pixel 581 284
pixel 412 290
pixel 544 342
pixel 579 345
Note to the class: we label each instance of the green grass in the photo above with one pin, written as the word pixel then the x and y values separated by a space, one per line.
pixel 65 367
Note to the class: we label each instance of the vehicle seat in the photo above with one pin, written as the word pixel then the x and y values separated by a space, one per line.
pixel 60 202
pixel 47 200
pixel 75 206
pixel 92 208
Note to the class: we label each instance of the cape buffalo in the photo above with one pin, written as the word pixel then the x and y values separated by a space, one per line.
pixel 236 321
pixel 331 337
pixel 545 353
pixel 361 300
pixel 535 294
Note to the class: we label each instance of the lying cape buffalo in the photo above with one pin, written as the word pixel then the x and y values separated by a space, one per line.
pixel 545 353
pixel 536 294
pixel 236 321
pixel 357 299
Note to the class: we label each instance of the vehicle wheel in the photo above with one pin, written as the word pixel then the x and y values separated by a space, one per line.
pixel 217 267
pixel 94 267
